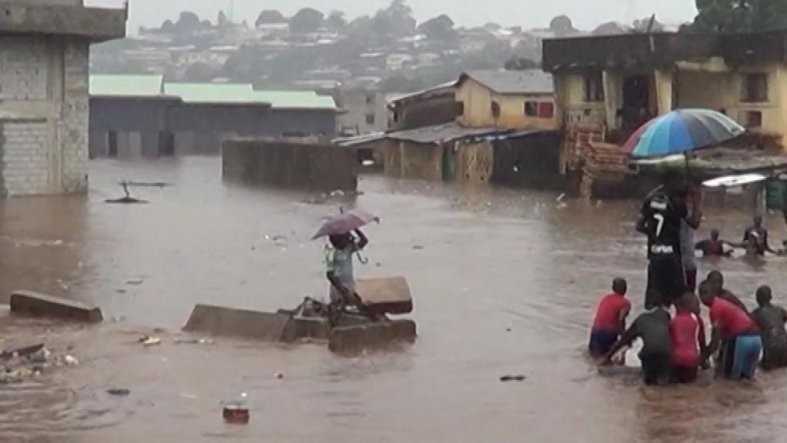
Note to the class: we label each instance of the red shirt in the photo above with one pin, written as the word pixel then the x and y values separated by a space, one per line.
pixel 685 330
pixel 608 312
pixel 731 320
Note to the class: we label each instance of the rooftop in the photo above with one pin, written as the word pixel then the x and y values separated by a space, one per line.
pixel 213 93
pixel 661 50
pixel 531 81
pixel 96 24
pixel 443 133
pixel 296 100
pixel 126 85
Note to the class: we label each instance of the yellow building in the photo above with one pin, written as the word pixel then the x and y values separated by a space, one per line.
pixel 506 100
pixel 621 81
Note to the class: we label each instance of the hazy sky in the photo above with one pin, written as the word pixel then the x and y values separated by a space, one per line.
pixel 526 13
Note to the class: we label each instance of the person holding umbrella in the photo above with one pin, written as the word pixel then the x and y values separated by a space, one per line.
pixel 342 246
pixel 679 132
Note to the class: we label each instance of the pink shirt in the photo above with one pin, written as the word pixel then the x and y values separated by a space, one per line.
pixel 608 312
pixel 731 320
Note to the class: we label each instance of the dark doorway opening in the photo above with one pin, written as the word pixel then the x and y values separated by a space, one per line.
pixel 112 144
pixel 166 144
pixel 636 102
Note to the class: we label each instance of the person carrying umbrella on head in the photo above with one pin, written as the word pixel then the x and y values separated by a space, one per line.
pixel 345 239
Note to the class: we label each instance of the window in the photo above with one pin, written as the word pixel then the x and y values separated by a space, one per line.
pixel 546 110
pixel 460 108
pixel 755 88
pixel 370 119
pixel 531 109
pixel 754 119
pixel 495 109
pixel 594 87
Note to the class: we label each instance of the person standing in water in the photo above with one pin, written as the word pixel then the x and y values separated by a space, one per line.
pixel 610 319
pixel 687 246
pixel 755 239
pixel 714 247
pixel 662 214
pixel 688 339
pixel 339 265
pixel 771 320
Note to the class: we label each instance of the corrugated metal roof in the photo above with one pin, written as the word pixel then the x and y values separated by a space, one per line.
pixel 443 133
pixel 444 88
pixel 126 85
pixel 231 93
pixel 530 81
pixel 296 100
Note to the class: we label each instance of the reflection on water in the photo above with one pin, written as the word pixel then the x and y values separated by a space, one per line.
pixel 504 282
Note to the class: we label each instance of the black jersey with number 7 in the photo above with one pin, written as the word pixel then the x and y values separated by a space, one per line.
pixel 662 217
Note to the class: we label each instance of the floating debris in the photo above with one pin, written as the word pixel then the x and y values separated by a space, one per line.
pixel 119 392
pixel 510 378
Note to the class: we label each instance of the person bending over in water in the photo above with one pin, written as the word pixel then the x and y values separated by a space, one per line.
pixel 735 334
pixel 771 320
pixel 610 319
pixel 688 339
pixel 339 265
pixel 714 247
pixel 715 281
pixel 653 328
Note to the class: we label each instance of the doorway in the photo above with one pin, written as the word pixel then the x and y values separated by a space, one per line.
pixel 166 144
pixel 112 144
pixel 636 102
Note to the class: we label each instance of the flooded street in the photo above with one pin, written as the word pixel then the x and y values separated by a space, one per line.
pixel 504 282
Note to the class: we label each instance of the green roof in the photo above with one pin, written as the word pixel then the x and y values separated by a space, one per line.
pixel 213 93
pixel 296 99
pixel 126 85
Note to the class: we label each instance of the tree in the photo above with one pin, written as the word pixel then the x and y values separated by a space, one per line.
pixel 168 27
pixel 562 26
pixel 221 20
pixel 336 21
pixel 396 20
pixel 609 28
pixel 440 28
pixel 270 16
pixel 188 22
pixel 521 64
pixel 306 20
pixel 740 15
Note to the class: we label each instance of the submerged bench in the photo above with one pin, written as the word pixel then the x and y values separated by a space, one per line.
pixel 40 305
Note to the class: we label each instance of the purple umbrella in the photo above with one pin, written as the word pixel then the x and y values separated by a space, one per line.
pixel 345 222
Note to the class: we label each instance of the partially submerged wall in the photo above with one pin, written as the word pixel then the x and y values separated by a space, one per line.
pixel 292 165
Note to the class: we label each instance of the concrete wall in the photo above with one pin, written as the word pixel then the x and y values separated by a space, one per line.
pixel 292 165
pixel 198 129
pixel 359 104
pixel 43 115
pixel 61 17
pixel 478 100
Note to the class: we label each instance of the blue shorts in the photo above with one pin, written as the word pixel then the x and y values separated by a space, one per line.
pixel 601 342
pixel 740 356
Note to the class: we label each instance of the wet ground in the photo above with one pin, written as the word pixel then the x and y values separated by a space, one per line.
pixel 504 282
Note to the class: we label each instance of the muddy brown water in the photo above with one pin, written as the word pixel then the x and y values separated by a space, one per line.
pixel 504 283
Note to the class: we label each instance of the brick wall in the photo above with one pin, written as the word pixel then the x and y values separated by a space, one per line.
pixel 43 115
pixel 25 157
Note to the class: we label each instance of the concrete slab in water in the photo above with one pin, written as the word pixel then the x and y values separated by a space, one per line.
pixel 217 320
pixel 40 305
pixel 385 295
pixel 352 339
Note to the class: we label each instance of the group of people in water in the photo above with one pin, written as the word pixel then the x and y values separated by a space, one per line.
pixel 675 346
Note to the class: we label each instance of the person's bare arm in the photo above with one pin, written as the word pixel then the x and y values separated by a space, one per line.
pixel 624 313
pixel 713 346
pixel 625 340
pixel 362 240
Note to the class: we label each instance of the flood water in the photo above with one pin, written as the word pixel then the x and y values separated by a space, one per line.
pixel 504 282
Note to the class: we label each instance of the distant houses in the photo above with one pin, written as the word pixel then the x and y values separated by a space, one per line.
pixel 487 127
pixel 141 115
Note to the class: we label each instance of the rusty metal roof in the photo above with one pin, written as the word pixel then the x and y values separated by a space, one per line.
pixel 529 81
pixel 443 133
